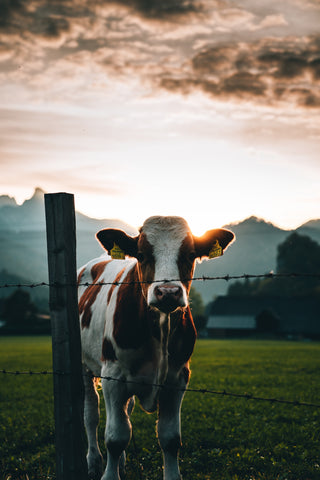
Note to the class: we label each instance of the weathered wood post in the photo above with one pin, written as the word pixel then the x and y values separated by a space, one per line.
pixel 66 347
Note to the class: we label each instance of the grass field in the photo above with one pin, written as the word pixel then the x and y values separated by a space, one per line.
pixel 224 438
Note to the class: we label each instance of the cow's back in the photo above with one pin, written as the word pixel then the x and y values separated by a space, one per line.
pixel 97 294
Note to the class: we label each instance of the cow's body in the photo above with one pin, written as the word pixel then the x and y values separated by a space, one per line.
pixel 139 331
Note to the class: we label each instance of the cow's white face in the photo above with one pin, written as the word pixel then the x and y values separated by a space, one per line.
pixel 166 252
pixel 160 257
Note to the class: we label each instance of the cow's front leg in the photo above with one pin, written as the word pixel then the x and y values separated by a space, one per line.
pixel 118 426
pixel 122 462
pixel 91 420
pixel 169 429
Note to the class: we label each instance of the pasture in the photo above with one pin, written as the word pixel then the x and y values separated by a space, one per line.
pixel 224 438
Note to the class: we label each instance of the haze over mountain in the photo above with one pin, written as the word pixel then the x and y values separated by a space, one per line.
pixel 23 244
pixel 30 216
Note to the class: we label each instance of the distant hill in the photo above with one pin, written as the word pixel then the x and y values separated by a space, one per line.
pixel 23 244
pixel 23 247
pixel 30 216
pixel 7 278
pixel 5 201
pixel 253 252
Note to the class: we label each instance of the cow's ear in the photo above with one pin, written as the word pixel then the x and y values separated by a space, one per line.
pixel 111 238
pixel 213 243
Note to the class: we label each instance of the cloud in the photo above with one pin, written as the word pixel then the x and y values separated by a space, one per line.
pixel 50 18
pixel 7 10
pixel 163 9
pixel 269 21
pixel 181 46
pixel 271 70
pixel 43 20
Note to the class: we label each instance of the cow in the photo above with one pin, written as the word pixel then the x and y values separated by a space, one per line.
pixel 138 335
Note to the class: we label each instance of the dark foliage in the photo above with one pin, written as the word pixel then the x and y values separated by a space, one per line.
pixel 297 254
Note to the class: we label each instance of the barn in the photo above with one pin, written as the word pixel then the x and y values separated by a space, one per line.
pixel 247 316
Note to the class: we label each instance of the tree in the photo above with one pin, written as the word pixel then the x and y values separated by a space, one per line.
pixel 19 311
pixel 243 288
pixel 297 254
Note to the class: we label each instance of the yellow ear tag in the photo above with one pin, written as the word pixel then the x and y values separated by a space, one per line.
pixel 216 250
pixel 116 252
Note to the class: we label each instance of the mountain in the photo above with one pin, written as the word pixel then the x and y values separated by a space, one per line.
pixel 5 200
pixel 253 252
pixel 7 278
pixel 23 244
pixel 23 249
pixel 30 216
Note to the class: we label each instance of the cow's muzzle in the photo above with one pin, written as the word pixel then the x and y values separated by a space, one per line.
pixel 167 297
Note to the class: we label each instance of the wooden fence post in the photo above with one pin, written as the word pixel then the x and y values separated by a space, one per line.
pixel 66 347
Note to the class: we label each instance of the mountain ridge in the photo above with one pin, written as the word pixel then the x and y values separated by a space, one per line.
pixel 30 215
pixel 37 199
pixel 23 244
pixel 253 220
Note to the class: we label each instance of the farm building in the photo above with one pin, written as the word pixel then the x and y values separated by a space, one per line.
pixel 243 316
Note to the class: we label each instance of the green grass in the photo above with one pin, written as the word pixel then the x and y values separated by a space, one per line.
pixel 223 437
pixel 26 409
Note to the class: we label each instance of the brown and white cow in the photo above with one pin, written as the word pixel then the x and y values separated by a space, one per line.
pixel 139 330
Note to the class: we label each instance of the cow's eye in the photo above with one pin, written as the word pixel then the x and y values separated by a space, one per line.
pixel 140 257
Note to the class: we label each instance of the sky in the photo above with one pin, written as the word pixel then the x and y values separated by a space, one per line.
pixel 207 109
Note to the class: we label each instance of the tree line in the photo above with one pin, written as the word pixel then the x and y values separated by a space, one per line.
pixel 297 254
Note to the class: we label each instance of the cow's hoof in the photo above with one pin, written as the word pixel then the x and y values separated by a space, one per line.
pixel 95 468
pixel 94 475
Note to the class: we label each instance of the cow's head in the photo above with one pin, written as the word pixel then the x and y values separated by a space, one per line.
pixel 166 252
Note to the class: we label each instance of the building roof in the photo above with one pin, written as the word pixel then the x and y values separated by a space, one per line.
pixel 239 322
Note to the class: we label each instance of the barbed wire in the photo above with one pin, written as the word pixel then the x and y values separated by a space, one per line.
pixel 245 276
pixel 247 396
pixel 223 393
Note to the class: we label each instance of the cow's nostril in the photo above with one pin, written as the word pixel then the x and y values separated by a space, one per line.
pixel 168 297
pixel 159 293
pixel 168 291
pixel 177 292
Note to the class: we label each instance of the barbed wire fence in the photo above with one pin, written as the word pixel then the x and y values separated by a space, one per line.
pixel 62 289
pixel 223 393
pixel 227 278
